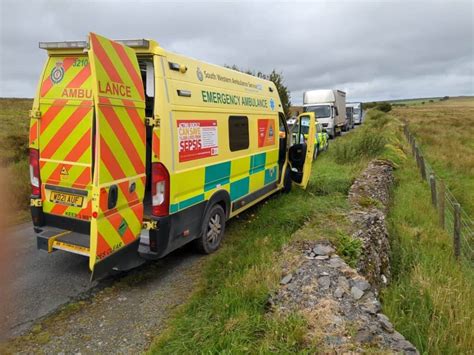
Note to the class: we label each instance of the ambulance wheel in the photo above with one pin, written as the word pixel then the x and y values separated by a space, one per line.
pixel 212 230
pixel 315 154
pixel 287 181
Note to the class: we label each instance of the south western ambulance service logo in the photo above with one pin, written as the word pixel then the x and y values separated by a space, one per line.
pixel 199 74
pixel 57 74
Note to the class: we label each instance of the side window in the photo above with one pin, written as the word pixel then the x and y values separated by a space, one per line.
pixel 282 130
pixel 238 133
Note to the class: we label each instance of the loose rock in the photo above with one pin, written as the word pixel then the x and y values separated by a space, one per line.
pixel 322 249
pixel 357 293
pixel 286 280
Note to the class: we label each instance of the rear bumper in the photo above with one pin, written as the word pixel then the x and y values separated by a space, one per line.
pixel 43 220
pixel 174 231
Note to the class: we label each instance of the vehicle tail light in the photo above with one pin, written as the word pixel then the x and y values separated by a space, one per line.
pixel 35 173
pixel 160 190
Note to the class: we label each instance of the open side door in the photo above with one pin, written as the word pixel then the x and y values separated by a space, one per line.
pixel 119 159
pixel 302 148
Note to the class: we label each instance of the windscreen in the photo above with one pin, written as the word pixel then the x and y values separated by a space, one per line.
pixel 320 111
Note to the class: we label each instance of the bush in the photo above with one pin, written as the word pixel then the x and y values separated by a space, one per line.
pixel 384 106
pixel 381 106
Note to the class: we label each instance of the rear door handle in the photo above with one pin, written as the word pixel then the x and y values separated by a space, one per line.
pixel 113 197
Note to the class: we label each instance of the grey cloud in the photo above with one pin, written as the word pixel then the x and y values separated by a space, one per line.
pixel 374 50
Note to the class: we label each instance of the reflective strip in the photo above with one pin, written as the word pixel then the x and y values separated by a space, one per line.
pixel 239 177
pixel 33 131
pixel 156 144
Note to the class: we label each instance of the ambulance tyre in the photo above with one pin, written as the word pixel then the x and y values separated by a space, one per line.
pixel 287 181
pixel 212 230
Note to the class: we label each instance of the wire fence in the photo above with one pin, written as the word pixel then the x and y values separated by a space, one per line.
pixel 452 217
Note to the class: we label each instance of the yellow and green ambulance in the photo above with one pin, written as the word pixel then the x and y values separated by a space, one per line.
pixel 136 151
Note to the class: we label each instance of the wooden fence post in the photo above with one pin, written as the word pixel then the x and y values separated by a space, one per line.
pixel 457 230
pixel 422 167
pixel 433 189
pixel 441 203
pixel 417 156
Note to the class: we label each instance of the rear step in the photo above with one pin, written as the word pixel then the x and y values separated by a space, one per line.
pixel 51 239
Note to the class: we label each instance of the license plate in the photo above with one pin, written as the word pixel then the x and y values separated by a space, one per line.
pixel 66 199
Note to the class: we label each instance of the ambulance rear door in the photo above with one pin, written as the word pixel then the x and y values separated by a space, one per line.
pixel 120 150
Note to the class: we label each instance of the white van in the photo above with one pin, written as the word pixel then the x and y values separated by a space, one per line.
pixel 356 111
pixel 329 107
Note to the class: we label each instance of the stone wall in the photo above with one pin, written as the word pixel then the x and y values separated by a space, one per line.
pixel 339 303
pixel 370 199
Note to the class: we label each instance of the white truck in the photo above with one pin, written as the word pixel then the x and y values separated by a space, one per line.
pixel 356 111
pixel 329 107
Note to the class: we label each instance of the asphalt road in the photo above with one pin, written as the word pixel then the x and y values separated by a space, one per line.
pixel 39 283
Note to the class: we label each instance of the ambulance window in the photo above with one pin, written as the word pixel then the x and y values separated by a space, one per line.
pixel 150 80
pixel 238 133
pixel 282 126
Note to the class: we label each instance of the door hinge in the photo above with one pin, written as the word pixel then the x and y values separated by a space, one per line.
pixel 35 114
pixel 36 202
pixel 148 225
pixel 152 121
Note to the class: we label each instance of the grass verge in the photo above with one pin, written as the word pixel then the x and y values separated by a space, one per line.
pixel 228 311
pixel 431 298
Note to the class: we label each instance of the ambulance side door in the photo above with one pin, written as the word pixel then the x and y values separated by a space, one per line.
pixel 301 150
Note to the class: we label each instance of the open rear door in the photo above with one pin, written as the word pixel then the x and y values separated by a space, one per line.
pixel 120 150
pixel 302 148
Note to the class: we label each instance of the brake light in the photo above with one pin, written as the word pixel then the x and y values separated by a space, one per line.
pixel 160 190
pixel 35 173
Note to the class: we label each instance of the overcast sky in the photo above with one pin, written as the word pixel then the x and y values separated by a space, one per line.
pixel 371 49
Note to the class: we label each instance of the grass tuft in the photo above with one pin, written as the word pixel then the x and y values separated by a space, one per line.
pixel 350 248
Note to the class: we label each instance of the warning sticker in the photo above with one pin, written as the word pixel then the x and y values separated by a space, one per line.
pixel 197 139
pixel 266 132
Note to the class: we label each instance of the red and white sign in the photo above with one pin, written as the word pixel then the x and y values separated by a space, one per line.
pixel 266 132
pixel 197 139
